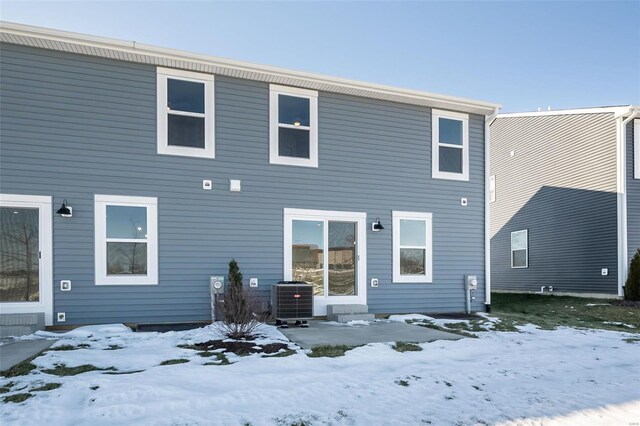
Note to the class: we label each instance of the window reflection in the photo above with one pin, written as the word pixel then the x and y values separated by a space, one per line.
pixel 186 96
pixel 293 143
pixel 19 255
pixel 450 131
pixel 308 253
pixel 126 257
pixel 342 259
pixel 293 110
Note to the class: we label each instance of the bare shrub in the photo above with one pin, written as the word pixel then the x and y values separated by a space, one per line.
pixel 243 310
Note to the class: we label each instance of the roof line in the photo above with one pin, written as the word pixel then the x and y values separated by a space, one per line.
pixel 267 73
pixel 618 110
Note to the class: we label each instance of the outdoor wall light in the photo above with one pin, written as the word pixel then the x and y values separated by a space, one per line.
pixel 65 211
pixel 377 226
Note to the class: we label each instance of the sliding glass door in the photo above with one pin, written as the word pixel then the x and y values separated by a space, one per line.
pixel 326 249
pixel 25 255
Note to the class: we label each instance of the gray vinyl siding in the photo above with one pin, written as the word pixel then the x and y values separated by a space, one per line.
pixel 74 126
pixel 633 197
pixel 560 184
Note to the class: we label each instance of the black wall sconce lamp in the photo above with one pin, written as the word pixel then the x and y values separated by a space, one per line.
pixel 65 210
pixel 377 226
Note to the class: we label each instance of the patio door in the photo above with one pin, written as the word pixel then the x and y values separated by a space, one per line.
pixel 328 250
pixel 25 255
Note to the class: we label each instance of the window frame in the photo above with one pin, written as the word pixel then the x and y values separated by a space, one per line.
pixel 526 265
pixel 397 216
pixel 163 147
pixel 274 124
pixel 436 114
pixel 151 204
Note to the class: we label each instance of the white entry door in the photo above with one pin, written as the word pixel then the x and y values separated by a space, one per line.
pixel 25 255
pixel 328 250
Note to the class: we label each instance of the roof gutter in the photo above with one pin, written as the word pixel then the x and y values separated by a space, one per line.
pixel 487 210
pixel 621 192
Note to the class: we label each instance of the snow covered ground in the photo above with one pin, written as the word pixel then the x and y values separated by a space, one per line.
pixel 566 376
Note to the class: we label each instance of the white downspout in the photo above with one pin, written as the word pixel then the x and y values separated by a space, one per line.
pixel 621 186
pixel 487 217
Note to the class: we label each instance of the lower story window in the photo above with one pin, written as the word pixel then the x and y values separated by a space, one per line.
pixel 126 243
pixel 519 249
pixel 412 247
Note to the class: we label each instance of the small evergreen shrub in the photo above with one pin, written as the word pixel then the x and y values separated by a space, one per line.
pixel 243 312
pixel 632 286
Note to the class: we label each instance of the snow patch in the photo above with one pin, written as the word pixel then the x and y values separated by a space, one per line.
pixel 619 323
pixel 410 317
pixel 560 377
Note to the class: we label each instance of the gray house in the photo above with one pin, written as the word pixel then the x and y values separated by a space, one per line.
pixel 565 199
pixel 131 174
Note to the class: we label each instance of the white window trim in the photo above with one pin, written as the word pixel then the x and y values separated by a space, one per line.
pixel 151 204
pixel 274 158
pixel 436 114
pixel 209 108
pixel 636 148
pixel 428 276
pixel 45 304
pixel 526 233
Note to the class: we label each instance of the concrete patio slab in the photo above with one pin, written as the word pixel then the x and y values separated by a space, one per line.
pixel 321 333
pixel 16 351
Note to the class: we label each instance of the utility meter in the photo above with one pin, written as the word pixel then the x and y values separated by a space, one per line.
pixel 217 284
pixel 472 282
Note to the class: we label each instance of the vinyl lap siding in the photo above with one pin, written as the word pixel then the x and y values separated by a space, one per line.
pixel 74 126
pixel 560 184
pixel 633 197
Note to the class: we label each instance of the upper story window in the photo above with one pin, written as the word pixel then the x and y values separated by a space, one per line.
pixel 450 146
pixel 412 247
pixel 185 113
pixel 520 249
pixel 126 240
pixel 293 127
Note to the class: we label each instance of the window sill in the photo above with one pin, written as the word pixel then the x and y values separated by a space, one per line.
pixel 291 161
pixel 107 283
pixel 413 280
pixel 450 176
pixel 186 152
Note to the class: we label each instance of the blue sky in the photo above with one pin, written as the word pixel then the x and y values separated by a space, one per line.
pixel 524 55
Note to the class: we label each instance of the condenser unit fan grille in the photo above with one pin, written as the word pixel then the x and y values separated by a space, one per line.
pixel 292 301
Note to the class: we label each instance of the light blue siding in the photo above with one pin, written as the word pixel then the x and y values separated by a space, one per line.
pixel 74 126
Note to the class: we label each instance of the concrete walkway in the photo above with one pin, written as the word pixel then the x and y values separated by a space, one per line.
pixel 321 333
pixel 15 351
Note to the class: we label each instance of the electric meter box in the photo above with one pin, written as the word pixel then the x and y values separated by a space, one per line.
pixel 217 284
pixel 471 282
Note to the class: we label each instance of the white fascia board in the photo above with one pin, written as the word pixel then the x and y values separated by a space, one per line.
pixel 268 73
pixel 625 112
pixel 618 111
